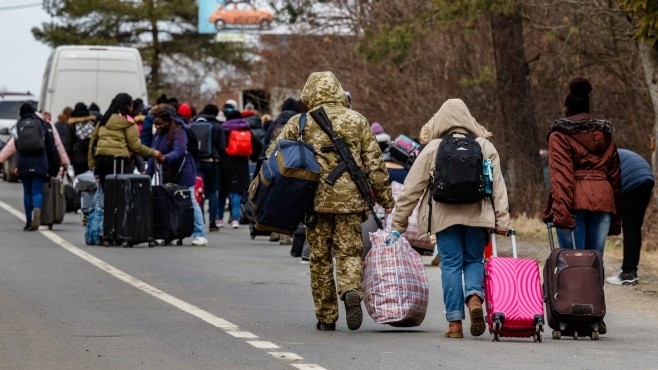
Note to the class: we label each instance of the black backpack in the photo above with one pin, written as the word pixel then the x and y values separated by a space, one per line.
pixel 458 174
pixel 202 130
pixel 30 135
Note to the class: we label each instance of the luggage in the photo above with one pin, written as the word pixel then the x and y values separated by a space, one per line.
pixel 128 210
pixel 54 203
pixel 173 213
pixel 298 240
pixel 395 286
pixel 94 223
pixel 72 196
pixel 513 295
pixel 573 290
pixel 285 187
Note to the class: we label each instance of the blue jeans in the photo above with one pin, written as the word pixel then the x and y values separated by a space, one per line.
pixel 198 217
pixel 209 171
pixel 462 251
pixel 234 203
pixel 32 194
pixel 590 233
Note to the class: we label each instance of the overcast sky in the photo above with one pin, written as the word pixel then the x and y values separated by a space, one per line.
pixel 22 58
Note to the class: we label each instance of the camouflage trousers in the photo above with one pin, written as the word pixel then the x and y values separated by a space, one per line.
pixel 342 232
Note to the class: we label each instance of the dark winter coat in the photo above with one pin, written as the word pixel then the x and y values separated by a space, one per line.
pixel 218 135
pixel 44 164
pixel 275 127
pixel 178 167
pixel 235 169
pixel 635 170
pixel 584 171
pixel 80 146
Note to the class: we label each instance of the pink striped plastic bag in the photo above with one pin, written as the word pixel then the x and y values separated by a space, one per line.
pixel 395 287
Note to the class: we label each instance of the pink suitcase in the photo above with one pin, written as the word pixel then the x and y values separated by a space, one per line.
pixel 513 296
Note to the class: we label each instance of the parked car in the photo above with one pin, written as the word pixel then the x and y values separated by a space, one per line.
pixel 10 104
pixel 240 13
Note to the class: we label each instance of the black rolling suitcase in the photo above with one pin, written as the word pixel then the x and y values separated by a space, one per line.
pixel 128 210
pixel 173 212
pixel 573 291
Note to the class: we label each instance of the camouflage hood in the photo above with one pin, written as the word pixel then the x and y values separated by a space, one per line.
pixel 323 88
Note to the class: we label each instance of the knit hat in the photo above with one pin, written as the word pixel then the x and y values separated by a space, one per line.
pixel 26 108
pixel 80 110
pixel 577 100
pixel 94 107
pixel 232 114
pixel 162 99
pixel 232 103
pixel 377 128
pixel 211 110
pixel 185 110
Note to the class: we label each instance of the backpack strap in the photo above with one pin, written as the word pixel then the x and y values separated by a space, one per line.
pixel 302 124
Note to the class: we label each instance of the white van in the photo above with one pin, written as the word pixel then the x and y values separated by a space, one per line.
pixel 84 73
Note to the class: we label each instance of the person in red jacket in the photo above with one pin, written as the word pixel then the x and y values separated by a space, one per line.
pixel 585 174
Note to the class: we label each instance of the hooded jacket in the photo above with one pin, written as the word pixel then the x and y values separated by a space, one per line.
pixel 323 89
pixel 117 138
pixel 584 171
pixel 452 117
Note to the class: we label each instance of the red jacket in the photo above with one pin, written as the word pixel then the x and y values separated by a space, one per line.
pixel 584 171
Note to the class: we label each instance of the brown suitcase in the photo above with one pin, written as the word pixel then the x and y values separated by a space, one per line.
pixel 54 202
pixel 573 291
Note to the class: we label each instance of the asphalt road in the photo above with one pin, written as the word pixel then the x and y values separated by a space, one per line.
pixel 238 304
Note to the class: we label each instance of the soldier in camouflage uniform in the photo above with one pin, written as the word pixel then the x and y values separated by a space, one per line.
pixel 339 208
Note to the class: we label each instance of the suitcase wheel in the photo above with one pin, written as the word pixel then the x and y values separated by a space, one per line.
pixel 106 244
pixel 536 338
pixel 595 335
pixel 495 337
pixel 557 334
pixel 179 242
pixel 50 227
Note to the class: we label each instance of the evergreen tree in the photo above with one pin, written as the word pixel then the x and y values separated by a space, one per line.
pixel 163 30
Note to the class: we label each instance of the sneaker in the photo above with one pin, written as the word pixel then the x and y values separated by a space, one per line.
pixel 219 223
pixel 213 227
pixel 353 313
pixel 235 224
pixel 623 278
pixel 477 317
pixel 199 240
pixel 274 237
pixel 305 260
pixel 331 326
pixel 285 240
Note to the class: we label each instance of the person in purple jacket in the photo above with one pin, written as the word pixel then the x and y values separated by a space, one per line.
pixel 636 187
pixel 178 166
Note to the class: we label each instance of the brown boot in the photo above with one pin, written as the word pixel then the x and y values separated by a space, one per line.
pixel 36 220
pixel 455 330
pixel 477 316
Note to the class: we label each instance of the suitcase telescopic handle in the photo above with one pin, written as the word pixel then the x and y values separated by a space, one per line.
pixel 551 241
pixel 511 234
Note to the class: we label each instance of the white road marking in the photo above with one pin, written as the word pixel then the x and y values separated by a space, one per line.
pixel 191 309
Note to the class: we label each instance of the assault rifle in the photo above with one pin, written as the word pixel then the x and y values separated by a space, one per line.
pixel 346 164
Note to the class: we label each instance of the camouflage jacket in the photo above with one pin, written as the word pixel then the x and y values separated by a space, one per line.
pixel 323 89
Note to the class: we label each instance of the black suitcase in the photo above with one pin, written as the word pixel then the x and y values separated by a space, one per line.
pixel 173 213
pixel 573 291
pixel 128 210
